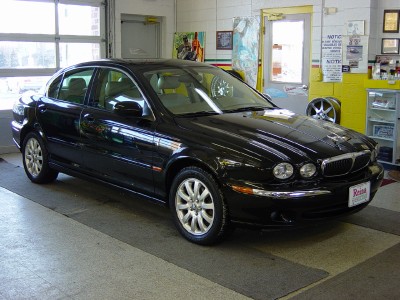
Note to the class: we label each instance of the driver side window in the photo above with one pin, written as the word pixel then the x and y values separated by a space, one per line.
pixel 112 87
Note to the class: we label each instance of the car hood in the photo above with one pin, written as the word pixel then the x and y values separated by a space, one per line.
pixel 275 134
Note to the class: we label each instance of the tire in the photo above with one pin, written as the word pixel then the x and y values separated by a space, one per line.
pixel 327 109
pixel 35 160
pixel 198 208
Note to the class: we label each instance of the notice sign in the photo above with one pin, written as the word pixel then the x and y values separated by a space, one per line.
pixel 332 58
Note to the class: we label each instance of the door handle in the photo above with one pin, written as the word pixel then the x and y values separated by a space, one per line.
pixel 42 108
pixel 89 118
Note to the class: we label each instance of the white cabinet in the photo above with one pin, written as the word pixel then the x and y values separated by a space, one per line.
pixel 383 113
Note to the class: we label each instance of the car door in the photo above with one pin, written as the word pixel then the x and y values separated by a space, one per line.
pixel 118 148
pixel 58 114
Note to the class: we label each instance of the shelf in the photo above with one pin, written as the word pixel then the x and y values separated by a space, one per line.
pixel 388 162
pixel 382 121
pixel 381 84
pixel 381 138
pixel 384 109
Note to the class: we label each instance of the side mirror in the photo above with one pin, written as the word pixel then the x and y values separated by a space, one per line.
pixel 128 109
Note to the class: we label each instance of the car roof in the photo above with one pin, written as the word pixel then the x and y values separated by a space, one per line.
pixel 139 62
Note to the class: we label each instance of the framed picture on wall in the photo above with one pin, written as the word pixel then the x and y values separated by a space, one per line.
pixel 390 46
pixel 391 21
pixel 354 27
pixel 224 40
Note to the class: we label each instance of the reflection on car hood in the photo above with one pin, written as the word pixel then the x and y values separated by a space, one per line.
pixel 277 134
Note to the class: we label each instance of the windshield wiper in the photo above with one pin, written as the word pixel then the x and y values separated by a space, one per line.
pixel 247 108
pixel 198 114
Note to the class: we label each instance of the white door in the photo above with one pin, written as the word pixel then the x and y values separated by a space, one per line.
pixel 287 61
pixel 140 39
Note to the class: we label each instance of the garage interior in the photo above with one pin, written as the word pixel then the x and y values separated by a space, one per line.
pixel 75 239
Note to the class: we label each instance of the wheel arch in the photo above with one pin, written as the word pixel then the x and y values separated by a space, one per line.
pixel 31 128
pixel 179 164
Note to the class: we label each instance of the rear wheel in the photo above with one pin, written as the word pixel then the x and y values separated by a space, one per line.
pixel 197 206
pixel 35 160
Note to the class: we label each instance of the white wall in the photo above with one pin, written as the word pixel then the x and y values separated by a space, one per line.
pixel 159 8
pixel 381 6
pixel 217 15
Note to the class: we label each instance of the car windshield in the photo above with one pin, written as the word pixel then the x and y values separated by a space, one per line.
pixel 203 90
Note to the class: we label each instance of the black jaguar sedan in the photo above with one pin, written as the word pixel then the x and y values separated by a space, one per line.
pixel 197 139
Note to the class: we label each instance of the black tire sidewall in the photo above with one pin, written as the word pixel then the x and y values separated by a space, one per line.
pixel 219 225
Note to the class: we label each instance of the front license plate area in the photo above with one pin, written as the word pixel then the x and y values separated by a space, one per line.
pixel 359 193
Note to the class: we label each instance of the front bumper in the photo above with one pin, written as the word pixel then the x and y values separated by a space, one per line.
pixel 299 206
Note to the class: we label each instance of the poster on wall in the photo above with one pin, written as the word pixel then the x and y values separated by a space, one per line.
pixel 354 27
pixel 332 58
pixel 246 32
pixel 189 46
pixel 355 53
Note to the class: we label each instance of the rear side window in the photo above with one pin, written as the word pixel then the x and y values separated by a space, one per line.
pixel 54 88
pixel 71 87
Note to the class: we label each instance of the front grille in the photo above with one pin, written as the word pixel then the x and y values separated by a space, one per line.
pixel 345 164
pixel 336 167
pixel 361 161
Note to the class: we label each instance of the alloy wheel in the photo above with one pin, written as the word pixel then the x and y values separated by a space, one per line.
pixel 221 88
pixel 327 109
pixel 33 157
pixel 194 206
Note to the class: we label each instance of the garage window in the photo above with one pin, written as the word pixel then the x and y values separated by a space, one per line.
pixel 53 35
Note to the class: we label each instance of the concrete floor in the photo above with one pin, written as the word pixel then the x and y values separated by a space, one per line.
pixel 79 240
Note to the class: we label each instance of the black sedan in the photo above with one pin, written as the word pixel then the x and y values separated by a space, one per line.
pixel 197 139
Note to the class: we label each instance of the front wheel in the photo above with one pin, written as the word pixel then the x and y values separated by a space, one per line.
pixel 198 208
pixel 35 160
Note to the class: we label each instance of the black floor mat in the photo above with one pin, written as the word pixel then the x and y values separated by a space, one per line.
pixel 372 279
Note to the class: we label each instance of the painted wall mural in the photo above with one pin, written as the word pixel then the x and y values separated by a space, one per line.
pixel 189 46
pixel 246 40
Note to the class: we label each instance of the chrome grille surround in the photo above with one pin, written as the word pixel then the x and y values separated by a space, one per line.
pixel 345 164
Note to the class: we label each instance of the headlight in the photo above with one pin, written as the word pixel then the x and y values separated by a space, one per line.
pixel 18 108
pixel 283 170
pixel 374 153
pixel 308 170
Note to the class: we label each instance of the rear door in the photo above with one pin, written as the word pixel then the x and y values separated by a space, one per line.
pixel 58 115
pixel 118 148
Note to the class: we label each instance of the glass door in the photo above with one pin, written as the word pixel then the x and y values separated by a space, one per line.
pixel 287 61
